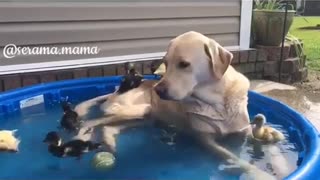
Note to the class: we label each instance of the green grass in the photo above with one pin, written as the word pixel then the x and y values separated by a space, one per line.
pixel 310 38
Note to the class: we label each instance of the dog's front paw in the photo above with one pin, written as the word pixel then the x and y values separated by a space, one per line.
pixel 84 130
pixel 230 169
pixel 90 124
pixel 112 109
pixel 109 138
pixel 111 149
pixel 82 110
pixel 230 165
pixel 89 130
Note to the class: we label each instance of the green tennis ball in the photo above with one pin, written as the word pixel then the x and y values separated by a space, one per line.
pixel 103 160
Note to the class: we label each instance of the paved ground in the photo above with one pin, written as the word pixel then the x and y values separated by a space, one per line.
pixel 307 103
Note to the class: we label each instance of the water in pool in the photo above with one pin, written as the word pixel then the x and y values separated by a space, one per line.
pixel 141 154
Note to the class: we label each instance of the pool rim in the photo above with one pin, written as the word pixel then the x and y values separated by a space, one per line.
pixel 311 160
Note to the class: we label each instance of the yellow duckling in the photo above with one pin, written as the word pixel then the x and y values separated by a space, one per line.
pixel 265 133
pixel 8 142
pixel 161 70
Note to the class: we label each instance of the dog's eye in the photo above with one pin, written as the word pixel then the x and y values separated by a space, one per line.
pixel 183 64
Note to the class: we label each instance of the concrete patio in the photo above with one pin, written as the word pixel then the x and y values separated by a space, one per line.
pixel 304 102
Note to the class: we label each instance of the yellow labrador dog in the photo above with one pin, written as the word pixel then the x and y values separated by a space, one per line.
pixel 200 94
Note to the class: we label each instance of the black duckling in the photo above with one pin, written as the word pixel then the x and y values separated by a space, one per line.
pixel 70 120
pixel 74 148
pixel 265 133
pixel 130 81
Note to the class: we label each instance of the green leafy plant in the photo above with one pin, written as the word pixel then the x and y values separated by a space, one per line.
pixel 297 46
pixel 271 5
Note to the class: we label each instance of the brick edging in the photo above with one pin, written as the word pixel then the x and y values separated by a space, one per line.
pixel 254 63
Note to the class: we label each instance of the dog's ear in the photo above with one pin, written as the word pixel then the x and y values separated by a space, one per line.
pixel 220 58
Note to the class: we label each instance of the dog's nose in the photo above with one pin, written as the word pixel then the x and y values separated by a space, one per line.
pixel 161 89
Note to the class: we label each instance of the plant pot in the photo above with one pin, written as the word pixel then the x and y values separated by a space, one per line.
pixel 268 26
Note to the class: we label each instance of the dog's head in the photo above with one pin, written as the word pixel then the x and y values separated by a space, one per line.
pixel 191 60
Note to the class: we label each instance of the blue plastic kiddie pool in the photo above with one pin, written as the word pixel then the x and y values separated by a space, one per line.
pixel 140 154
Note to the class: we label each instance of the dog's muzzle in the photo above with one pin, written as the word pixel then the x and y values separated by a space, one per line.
pixel 162 90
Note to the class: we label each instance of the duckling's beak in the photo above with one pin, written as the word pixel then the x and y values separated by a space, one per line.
pixel 253 124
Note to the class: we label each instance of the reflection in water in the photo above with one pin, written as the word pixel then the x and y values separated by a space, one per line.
pixel 279 159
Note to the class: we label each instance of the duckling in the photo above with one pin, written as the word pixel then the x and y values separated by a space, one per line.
pixel 8 141
pixel 130 81
pixel 160 70
pixel 265 133
pixel 70 120
pixel 74 148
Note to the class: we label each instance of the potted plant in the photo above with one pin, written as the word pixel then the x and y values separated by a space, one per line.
pixel 268 21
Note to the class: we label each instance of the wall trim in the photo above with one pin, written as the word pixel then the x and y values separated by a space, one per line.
pixel 69 64
pixel 245 23
pixel 55 11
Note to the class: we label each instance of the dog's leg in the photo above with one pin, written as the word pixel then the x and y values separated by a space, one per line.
pixel 83 108
pixel 110 133
pixel 109 137
pixel 128 109
pixel 126 114
pixel 120 113
pixel 249 170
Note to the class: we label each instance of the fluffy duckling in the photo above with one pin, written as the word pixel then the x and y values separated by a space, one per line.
pixel 161 70
pixel 8 141
pixel 265 133
pixel 70 120
pixel 74 148
pixel 130 81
